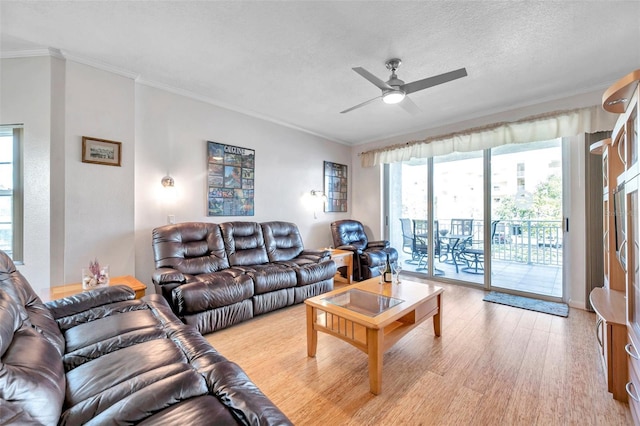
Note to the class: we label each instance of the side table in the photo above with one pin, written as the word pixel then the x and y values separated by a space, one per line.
pixel 65 290
pixel 343 258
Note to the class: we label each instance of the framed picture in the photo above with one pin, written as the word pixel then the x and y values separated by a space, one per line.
pixel 101 151
pixel 335 187
pixel 230 180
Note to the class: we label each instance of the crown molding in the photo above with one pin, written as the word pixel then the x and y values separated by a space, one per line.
pixel 68 56
pixel 32 53
pixel 100 65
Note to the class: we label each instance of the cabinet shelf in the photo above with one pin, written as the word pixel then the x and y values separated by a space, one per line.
pixel 598 148
pixel 609 304
pixel 617 97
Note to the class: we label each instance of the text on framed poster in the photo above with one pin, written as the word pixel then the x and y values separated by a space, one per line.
pixel 230 177
pixel 335 187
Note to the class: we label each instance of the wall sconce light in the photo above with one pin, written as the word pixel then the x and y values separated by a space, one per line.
pixel 317 201
pixel 318 194
pixel 168 191
pixel 168 182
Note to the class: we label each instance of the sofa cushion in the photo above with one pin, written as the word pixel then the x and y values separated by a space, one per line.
pixel 219 318
pixel 270 277
pixel 191 412
pixel 315 272
pixel 32 378
pixel 31 308
pixel 130 401
pixel 282 240
pixel 212 291
pixel 94 377
pixel 244 243
pixel 191 248
pixel 107 327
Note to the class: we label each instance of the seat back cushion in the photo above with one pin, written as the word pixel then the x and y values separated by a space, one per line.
pixel 349 233
pixel 32 381
pixel 283 241
pixel 244 243
pixel 190 247
pixel 32 310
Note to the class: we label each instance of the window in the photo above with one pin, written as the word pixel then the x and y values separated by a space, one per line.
pixel 11 191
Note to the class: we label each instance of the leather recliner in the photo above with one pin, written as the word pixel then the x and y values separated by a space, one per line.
pixel 102 357
pixel 367 255
pixel 217 275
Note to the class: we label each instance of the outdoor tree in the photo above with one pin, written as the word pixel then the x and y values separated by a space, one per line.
pixel 544 203
pixel 547 199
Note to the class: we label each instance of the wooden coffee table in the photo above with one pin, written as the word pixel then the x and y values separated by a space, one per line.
pixel 350 313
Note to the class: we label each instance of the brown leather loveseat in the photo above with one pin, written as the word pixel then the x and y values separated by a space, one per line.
pixel 101 357
pixel 217 275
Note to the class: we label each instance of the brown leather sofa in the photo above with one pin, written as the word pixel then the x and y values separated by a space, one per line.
pixel 101 357
pixel 367 255
pixel 217 275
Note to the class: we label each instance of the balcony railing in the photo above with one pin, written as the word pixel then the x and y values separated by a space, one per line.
pixel 532 242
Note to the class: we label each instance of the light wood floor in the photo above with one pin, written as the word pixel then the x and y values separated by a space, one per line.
pixel 493 365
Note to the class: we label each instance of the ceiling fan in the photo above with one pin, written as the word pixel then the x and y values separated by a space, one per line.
pixel 395 91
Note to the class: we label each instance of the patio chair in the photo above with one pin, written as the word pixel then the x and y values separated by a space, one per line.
pixel 407 238
pixel 421 244
pixel 474 256
pixel 459 237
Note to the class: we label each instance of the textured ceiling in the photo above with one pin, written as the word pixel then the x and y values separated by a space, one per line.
pixel 290 62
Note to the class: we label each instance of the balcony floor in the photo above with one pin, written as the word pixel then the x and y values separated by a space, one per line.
pixel 544 280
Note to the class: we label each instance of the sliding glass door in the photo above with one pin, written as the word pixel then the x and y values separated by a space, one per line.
pixel 458 215
pixel 491 218
pixel 527 247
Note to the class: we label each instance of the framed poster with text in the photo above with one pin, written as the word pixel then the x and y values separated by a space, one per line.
pixel 335 187
pixel 230 177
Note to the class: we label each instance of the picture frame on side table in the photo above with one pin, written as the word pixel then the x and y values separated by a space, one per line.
pixel 101 151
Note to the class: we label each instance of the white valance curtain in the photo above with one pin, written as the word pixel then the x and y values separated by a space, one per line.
pixel 531 129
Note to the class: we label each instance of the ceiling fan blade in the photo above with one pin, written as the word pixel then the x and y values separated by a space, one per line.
pixel 360 105
pixel 433 81
pixel 408 105
pixel 372 78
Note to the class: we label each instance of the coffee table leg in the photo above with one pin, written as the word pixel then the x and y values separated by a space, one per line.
pixel 437 318
pixel 375 352
pixel 312 333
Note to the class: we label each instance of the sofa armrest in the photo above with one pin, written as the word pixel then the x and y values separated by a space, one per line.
pixel 167 275
pixel 84 301
pixel 231 385
pixel 322 254
pixel 349 248
pixel 378 244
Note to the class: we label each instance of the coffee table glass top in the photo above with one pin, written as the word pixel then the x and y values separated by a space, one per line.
pixel 363 302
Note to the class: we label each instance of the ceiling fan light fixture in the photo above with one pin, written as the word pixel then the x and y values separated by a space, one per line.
pixel 393 96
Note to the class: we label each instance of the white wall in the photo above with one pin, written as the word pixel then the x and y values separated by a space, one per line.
pixel 99 199
pixel 76 211
pixel 368 204
pixel 25 85
pixel 171 135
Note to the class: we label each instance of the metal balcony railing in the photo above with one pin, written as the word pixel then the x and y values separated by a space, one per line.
pixel 535 242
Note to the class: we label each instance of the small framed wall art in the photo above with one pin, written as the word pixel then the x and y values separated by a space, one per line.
pixel 335 187
pixel 101 151
pixel 230 180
